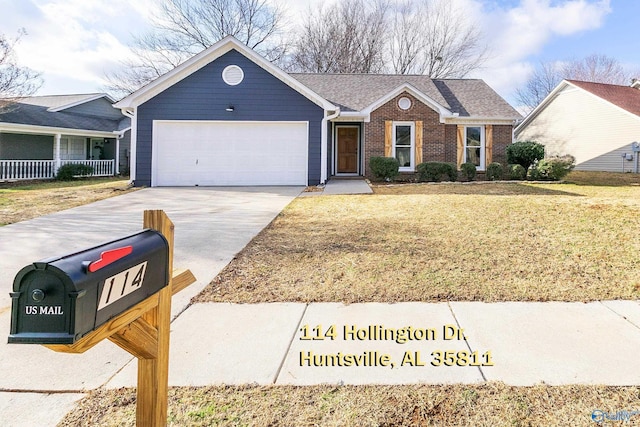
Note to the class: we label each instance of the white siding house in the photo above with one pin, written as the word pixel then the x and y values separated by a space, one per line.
pixel 594 122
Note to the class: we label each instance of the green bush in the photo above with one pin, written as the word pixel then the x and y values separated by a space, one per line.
pixel 525 153
pixel 552 169
pixel 516 172
pixel 384 168
pixel 468 170
pixel 494 171
pixel 436 171
pixel 71 171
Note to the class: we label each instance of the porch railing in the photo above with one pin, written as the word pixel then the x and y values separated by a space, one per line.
pixel 13 170
pixel 100 167
pixel 26 169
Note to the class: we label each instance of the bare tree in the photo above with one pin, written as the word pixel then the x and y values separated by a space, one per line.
pixel 540 84
pixel 595 68
pixel 15 81
pixel 347 37
pixel 436 39
pixel 183 28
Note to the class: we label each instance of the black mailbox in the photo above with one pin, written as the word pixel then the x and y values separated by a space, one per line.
pixel 61 299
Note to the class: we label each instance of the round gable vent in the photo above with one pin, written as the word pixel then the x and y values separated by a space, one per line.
pixel 404 103
pixel 232 75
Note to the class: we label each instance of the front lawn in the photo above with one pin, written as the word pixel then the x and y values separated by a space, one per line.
pixel 24 200
pixel 491 242
pixel 576 241
pixel 492 404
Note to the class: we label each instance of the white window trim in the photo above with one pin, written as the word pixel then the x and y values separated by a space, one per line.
pixel 483 150
pixel 412 166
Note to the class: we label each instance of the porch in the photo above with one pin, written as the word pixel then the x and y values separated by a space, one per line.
pixel 15 170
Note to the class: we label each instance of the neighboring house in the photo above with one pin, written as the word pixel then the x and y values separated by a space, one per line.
pixel 39 134
pixel 227 116
pixel 594 122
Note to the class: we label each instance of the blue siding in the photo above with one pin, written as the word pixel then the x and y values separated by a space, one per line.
pixel 205 96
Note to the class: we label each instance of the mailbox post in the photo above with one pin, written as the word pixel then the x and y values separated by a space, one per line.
pixel 70 306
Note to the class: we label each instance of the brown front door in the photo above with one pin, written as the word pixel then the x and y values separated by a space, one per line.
pixel 347 149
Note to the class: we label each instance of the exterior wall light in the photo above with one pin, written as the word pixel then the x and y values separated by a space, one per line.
pixel 230 108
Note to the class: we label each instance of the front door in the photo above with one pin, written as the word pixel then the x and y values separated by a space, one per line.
pixel 347 149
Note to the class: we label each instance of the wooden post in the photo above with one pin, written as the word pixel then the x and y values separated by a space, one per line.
pixel 153 373
pixel 143 331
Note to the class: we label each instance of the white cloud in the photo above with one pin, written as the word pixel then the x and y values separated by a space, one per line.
pixel 79 39
pixel 517 33
pixel 76 39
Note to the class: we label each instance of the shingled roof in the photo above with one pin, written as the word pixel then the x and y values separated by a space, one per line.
pixel 625 97
pixel 355 92
pixel 43 111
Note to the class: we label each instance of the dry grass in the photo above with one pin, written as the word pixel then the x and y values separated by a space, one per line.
pixel 492 404
pixel 577 241
pixel 24 200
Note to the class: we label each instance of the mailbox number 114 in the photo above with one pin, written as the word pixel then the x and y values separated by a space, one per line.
pixel 122 284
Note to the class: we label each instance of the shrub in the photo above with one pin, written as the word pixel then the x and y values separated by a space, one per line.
pixel 71 171
pixel 384 168
pixel 435 171
pixel 525 153
pixel 468 170
pixel 552 169
pixel 516 172
pixel 494 171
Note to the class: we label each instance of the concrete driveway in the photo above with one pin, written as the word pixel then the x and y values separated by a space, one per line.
pixel 211 226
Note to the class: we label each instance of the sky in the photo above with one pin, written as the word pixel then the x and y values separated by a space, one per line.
pixel 73 43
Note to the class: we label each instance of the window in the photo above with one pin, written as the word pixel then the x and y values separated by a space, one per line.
pixel 73 148
pixel 474 146
pixel 404 144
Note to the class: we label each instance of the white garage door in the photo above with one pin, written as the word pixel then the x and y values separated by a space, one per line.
pixel 187 153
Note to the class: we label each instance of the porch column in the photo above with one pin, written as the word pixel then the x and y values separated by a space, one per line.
pixel 117 156
pixel 56 151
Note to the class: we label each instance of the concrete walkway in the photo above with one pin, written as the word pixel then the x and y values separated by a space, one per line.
pixel 336 186
pixel 283 343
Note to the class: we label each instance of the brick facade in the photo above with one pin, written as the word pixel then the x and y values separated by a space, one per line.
pixel 439 141
pixel 502 137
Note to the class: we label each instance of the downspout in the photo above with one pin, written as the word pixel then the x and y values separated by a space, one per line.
pixel 131 113
pixel 119 135
pixel 324 144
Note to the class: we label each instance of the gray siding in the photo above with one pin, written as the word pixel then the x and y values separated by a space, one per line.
pixel 204 96
pixel 25 147
pixel 125 149
pixel 98 108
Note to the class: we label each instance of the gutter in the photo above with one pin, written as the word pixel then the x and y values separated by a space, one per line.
pixel 324 142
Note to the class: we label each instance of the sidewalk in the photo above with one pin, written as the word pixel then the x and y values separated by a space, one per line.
pixel 518 343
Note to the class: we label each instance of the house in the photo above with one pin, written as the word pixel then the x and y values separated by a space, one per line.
pixel 594 122
pixel 39 134
pixel 227 116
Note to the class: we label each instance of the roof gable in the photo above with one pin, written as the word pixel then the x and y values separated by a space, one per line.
pixel 425 99
pixel 207 56
pixel 625 98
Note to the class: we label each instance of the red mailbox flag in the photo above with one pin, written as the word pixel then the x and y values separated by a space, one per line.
pixel 109 257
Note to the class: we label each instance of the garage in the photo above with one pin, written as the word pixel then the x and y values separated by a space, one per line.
pixel 219 153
